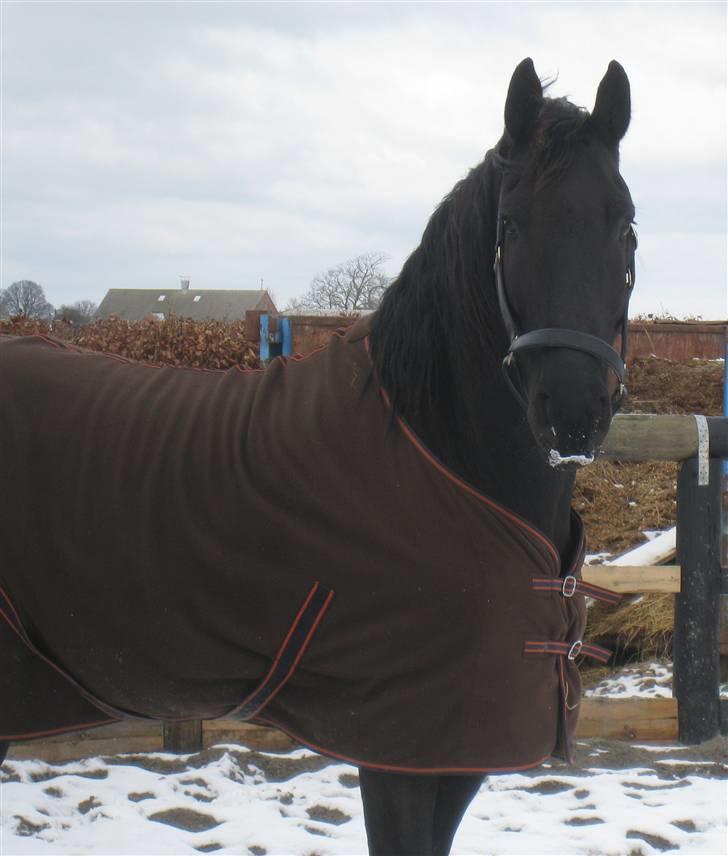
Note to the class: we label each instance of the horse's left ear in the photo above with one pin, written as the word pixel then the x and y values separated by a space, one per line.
pixel 612 109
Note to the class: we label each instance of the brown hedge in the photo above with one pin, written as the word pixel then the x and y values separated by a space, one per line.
pixel 173 341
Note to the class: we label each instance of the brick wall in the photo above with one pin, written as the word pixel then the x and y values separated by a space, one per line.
pixel 312 331
pixel 672 340
pixel 678 340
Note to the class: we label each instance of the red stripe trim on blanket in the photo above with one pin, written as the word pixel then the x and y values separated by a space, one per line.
pixel 16 625
pixel 394 768
pixel 51 732
pixel 463 485
pixel 289 654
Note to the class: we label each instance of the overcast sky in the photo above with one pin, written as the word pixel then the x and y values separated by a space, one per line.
pixel 239 142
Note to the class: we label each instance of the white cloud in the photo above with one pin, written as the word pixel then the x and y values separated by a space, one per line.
pixel 245 140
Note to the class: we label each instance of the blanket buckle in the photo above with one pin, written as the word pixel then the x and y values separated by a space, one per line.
pixel 568 589
pixel 575 650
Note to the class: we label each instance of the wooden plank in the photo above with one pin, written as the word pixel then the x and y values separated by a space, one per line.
pixel 651 437
pixel 124 728
pixel 625 579
pixel 107 740
pixel 254 736
pixel 628 718
pixel 625 719
pixel 644 437
pixel 659 551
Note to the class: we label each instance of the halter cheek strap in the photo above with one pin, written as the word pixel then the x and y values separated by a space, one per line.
pixel 559 337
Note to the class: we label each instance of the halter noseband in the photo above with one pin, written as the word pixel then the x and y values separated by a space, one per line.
pixel 559 337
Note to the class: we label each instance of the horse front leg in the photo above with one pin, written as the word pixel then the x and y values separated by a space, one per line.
pixel 399 812
pixel 408 815
pixel 454 795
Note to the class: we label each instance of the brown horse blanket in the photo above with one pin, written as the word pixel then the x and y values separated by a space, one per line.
pixel 271 546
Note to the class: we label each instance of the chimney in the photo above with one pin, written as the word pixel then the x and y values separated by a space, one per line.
pixel 184 283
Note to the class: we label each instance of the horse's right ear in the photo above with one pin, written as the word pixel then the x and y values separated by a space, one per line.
pixel 523 102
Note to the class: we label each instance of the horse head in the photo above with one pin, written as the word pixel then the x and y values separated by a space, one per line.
pixel 564 260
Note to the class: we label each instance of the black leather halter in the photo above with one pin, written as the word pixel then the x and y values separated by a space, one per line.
pixel 560 337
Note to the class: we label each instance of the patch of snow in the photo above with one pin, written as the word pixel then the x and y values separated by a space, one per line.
pixel 228 806
pixel 596 558
pixel 557 460
pixel 654 552
pixel 646 680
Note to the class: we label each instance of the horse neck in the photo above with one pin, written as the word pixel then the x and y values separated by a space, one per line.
pixel 490 445
pixel 437 344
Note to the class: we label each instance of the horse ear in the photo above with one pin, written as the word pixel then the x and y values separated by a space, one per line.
pixel 523 102
pixel 612 109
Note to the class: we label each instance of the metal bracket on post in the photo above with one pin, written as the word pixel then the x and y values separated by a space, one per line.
pixel 703 451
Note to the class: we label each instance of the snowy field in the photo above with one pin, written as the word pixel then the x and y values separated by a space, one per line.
pixel 618 799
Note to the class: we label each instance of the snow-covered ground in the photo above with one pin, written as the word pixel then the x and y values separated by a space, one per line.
pixel 618 799
pixel 647 680
pixel 234 801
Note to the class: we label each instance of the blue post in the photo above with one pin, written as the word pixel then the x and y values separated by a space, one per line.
pixel 724 503
pixel 285 324
pixel 264 339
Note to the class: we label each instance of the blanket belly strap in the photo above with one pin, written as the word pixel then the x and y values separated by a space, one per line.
pixel 570 650
pixel 289 654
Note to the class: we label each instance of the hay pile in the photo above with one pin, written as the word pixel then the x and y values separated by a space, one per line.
pixel 619 501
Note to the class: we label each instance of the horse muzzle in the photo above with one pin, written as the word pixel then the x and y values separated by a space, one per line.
pixel 568 404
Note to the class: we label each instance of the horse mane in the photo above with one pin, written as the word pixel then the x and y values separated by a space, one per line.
pixel 438 325
pixel 433 301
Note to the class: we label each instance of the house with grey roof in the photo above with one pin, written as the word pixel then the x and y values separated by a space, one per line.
pixel 218 304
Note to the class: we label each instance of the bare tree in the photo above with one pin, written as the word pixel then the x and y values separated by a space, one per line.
pixel 357 284
pixel 27 298
pixel 79 313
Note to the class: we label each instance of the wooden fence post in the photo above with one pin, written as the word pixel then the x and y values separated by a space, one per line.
pixel 696 656
pixel 182 737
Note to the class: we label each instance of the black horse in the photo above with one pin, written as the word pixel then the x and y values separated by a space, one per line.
pixel 364 548
pixel 536 240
